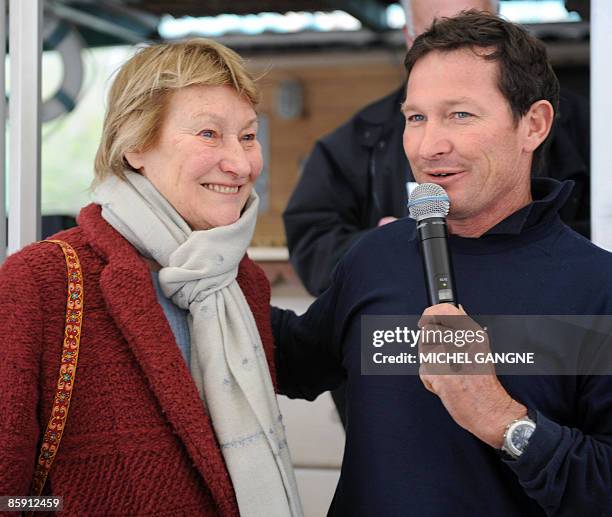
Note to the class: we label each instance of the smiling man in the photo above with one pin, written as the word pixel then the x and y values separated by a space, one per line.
pixel 463 133
pixel 480 101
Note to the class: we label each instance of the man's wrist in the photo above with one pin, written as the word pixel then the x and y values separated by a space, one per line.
pixel 499 421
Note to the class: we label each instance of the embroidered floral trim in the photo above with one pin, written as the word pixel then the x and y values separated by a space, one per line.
pixel 67 371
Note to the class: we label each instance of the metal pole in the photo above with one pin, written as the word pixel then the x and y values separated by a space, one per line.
pixel 25 48
pixel 3 242
pixel 601 123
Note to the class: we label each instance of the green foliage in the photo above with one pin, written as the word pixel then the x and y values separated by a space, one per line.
pixel 69 143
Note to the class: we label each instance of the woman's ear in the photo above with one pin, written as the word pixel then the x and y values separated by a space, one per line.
pixel 539 120
pixel 134 159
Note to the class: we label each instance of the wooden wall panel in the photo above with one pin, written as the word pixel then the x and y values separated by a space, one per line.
pixel 334 87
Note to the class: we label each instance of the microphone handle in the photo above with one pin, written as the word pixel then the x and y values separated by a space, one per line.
pixel 439 280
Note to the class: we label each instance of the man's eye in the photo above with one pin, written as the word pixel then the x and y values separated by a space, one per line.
pixel 415 118
pixel 462 114
pixel 249 137
pixel 207 133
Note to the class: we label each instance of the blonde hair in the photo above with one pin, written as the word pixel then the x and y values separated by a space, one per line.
pixel 140 91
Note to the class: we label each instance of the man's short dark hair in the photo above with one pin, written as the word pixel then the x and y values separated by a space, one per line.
pixel 525 74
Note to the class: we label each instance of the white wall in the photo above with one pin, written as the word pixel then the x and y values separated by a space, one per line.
pixel 601 123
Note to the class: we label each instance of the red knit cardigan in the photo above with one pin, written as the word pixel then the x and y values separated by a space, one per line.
pixel 138 440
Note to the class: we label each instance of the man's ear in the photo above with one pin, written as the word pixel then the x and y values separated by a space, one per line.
pixel 539 120
pixel 134 159
pixel 408 37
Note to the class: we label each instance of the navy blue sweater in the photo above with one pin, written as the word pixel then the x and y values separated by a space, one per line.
pixel 404 454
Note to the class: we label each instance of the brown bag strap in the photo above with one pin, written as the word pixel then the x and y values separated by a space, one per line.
pixel 67 370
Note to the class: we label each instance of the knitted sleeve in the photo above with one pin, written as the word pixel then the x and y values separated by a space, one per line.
pixel 21 325
pixel 307 349
pixel 568 471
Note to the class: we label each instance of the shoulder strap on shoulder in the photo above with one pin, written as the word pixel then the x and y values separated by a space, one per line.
pixel 67 370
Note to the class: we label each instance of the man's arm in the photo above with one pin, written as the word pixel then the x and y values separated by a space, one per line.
pixel 307 352
pixel 324 216
pixel 568 471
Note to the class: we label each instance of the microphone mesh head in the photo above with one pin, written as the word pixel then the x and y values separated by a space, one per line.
pixel 428 200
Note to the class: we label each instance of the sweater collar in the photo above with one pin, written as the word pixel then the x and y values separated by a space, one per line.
pixel 528 224
pixel 548 195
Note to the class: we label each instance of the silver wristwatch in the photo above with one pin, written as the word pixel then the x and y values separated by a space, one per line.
pixel 517 435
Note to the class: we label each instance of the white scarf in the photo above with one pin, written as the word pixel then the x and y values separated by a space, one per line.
pixel 228 362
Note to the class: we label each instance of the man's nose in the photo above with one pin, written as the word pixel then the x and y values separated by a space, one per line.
pixel 435 141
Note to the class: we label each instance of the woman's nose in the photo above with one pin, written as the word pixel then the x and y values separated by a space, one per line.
pixel 235 159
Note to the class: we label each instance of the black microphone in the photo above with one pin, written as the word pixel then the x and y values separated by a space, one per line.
pixel 428 205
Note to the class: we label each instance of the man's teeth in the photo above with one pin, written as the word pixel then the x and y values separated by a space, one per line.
pixel 220 188
pixel 441 175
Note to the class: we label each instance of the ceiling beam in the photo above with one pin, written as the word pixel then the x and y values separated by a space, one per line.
pixel 371 13
pixel 113 21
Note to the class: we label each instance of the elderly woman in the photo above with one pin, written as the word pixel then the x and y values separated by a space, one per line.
pixel 173 410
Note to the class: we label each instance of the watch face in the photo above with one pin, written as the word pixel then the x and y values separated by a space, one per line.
pixel 520 436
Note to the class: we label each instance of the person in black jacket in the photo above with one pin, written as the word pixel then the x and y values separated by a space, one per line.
pixel 356 177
